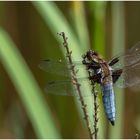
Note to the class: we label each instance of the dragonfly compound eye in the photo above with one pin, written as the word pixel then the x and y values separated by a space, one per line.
pixel 90 54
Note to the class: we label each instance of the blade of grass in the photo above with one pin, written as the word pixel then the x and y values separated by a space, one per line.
pixel 57 22
pixel 79 20
pixel 99 28
pixel 27 88
pixel 118 43
pixel 98 43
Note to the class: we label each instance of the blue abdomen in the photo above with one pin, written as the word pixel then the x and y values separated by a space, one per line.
pixel 109 102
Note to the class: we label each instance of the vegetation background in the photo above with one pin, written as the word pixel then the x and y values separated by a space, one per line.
pixel 28 34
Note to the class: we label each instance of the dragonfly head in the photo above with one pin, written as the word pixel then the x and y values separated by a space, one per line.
pixel 90 56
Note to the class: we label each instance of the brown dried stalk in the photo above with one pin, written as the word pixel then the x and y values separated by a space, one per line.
pixel 96 106
pixel 75 82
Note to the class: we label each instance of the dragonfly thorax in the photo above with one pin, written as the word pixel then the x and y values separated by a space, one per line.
pixel 98 68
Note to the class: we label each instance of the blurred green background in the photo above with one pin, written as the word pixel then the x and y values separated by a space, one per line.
pixel 28 34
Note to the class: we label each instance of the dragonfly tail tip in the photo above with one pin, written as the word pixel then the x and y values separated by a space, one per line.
pixel 112 122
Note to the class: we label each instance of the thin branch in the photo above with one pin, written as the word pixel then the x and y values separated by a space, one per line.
pixel 75 82
pixel 96 106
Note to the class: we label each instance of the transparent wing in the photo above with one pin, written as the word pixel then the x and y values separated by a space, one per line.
pixel 130 76
pixel 65 88
pixel 60 67
pixel 130 57
pixel 130 63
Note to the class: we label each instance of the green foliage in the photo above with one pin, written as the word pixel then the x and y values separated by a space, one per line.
pixel 57 23
pixel 27 88
pixel 118 28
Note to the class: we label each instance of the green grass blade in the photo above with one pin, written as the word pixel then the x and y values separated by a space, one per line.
pixel 98 32
pixel 118 33
pixel 80 23
pixel 57 23
pixel 27 88
pixel 98 44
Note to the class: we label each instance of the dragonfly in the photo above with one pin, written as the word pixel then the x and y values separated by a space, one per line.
pixel 123 70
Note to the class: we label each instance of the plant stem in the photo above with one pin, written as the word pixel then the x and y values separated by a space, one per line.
pixel 96 106
pixel 75 82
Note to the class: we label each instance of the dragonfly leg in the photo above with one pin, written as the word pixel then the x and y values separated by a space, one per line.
pixel 92 65
pixel 116 74
pixel 113 61
pixel 96 78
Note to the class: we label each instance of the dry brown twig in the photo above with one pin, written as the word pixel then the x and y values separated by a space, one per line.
pixel 77 85
pixel 96 106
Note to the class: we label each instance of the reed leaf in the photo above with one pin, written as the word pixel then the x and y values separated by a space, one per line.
pixel 27 88
pixel 56 21
pixel 98 44
pixel 80 23
pixel 118 43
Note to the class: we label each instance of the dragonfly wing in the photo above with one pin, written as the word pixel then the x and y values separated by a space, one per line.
pixel 128 58
pixel 56 67
pixel 130 76
pixel 60 88
pixel 60 67
pixel 135 49
pixel 64 88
